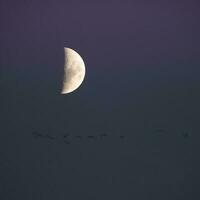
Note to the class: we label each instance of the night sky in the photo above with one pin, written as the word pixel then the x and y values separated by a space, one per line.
pixel 130 131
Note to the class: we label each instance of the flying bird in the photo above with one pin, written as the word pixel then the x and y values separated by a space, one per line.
pixel 66 135
pixel 185 134
pixel 36 134
pixel 50 137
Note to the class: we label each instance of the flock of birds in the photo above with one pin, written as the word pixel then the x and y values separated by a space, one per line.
pixel 67 138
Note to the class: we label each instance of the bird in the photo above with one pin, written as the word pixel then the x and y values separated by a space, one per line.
pixel 185 134
pixel 50 137
pixel 36 134
pixel 66 135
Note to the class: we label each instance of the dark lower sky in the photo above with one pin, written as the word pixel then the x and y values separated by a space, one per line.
pixel 131 131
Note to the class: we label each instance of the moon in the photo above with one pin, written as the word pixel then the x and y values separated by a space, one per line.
pixel 74 71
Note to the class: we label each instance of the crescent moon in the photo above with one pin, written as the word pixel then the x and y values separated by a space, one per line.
pixel 74 71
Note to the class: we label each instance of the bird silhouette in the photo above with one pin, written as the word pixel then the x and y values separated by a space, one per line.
pixel 185 134
pixel 36 134
pixel 40 135
pixel 49 137
pixel 66 135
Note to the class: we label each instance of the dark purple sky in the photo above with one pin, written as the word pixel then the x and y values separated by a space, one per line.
pixel 142 74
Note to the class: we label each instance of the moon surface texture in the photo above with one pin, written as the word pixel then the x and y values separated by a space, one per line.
pixel 74 71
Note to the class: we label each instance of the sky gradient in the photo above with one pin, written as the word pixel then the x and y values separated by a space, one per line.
pixel 142 83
